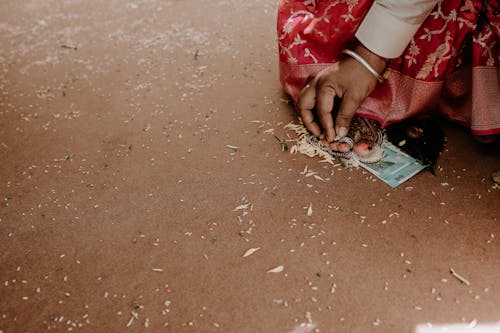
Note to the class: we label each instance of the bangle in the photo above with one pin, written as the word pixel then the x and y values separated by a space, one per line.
pixel 365 63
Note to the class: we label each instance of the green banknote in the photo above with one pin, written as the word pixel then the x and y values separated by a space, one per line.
pixel 396 167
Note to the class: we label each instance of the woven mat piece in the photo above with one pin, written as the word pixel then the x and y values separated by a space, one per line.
pixel 310 145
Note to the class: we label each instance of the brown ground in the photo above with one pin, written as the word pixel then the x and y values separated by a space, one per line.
pixel 122 206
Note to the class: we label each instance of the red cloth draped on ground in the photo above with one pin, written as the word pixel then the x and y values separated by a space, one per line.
pixel 452 63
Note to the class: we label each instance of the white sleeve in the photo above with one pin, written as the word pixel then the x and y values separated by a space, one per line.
pixel 389 25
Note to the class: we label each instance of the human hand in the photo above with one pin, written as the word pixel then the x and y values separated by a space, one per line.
pixel 346 79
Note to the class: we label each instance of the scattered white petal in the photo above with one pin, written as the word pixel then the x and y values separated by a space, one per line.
pixel 251 251
pixel 130 321
pixel 309 210
pixel 240 207
pixel 459 277
pixel 319 178
pixel 277 269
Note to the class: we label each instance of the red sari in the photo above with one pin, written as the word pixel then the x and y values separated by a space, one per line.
pixel 451 64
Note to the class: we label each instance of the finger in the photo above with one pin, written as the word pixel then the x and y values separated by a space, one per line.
pixel 348 108
pixel 306 103
pixel 324 104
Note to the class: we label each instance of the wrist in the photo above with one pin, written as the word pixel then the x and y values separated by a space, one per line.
pixel 377 62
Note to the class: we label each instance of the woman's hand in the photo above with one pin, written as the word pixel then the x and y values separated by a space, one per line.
pixel 346 79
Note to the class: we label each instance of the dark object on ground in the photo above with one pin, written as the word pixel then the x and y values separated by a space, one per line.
pixel 422 138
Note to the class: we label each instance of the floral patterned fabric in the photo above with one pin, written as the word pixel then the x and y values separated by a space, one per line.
pixel 452 62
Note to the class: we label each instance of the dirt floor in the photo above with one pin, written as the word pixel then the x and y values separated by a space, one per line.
pixel 138 165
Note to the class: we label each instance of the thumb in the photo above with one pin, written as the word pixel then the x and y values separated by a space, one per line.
pixel 348 108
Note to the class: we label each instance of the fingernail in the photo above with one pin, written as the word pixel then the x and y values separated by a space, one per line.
pixel 342 132
pixel 363 146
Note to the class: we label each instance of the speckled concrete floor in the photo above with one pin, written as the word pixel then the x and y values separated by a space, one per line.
pixel 123 208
